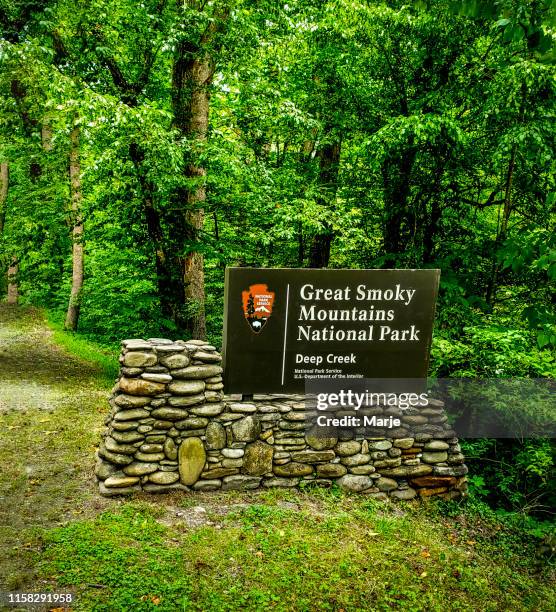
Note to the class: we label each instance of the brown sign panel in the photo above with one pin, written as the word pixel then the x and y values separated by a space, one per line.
pixel 284 326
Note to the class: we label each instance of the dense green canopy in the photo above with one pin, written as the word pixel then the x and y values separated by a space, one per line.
pixel 342 134
pixel 145 146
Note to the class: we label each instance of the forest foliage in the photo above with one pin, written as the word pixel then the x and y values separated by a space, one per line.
pixel 158 142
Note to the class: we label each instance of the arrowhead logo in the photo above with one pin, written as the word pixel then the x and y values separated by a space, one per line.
pixel 257 306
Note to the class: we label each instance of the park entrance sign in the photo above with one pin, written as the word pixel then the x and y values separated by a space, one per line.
pixel 286 327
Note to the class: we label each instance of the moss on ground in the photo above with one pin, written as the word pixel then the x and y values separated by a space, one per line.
pixel 279 549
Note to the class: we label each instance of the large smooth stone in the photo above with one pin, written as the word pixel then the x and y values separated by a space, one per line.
pixel 192 423
pixel 407 471
pixel 114 457
pixel 358 459
pixel 436 445
pixel 434 481
pixel 126 437
pixel 348 448
pixel 197 371
pixel 207 485
pixel 121 481
pixel 242 407
pixel 191 459
pixel 403 443
pixel 313 456
pixel 456 470
pixel 208 410
pixel 137 344
pixel 186 400
pixel 258 458
pixel 140 469
pixel 215 435
pixel 331 470
pixel 434 457
pixel 131 401
pixel 246 429
pixel 207 357
pixel 138 386
pixel 386 484
pixel 131 415
pixel 157 377
pixel 164 478
pixel 104 469
pixel 175 361
pixel 136 359
pixel 293 469
pixel 170 449
pixel 149 457
pixel 239 482
pixel 380 445
pixel 404 494
pixel 169 414
pixel 219 472
pixel 319 442
pixel 281 482
pixel 114 447
pixel 355 483
pixel 116 491
pixel 186 387
pixel 125 425
pixel 362 469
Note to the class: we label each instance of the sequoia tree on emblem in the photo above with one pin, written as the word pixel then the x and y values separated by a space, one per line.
pixel 257 306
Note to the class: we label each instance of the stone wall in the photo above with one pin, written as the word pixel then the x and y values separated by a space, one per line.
pixel 171 428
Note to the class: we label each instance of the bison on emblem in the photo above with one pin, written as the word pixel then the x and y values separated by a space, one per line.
pixel 257 306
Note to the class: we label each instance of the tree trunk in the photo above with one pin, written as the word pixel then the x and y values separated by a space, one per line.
pixel 4 182
pixel 300 245
pixel 432 220
pixel 46 135
pixel 13 291
pixel 13 268
pixel 501 235
pixel 431 229
pixel 396 174
pixel 74 307
pixel 192 75
pixel 169 273
pixel 329 166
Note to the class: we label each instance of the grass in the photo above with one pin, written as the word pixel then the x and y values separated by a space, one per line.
pixel 105 358
pixel 52 406
pixel 279 549
pixel 291 551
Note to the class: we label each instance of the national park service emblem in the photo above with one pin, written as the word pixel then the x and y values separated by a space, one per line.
pixel 257 306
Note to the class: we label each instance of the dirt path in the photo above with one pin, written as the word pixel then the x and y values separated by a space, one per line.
pixel 51 407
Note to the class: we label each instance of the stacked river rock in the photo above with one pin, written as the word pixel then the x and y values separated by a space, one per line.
pixel 171 427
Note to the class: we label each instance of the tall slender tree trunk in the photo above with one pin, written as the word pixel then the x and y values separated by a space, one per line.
pixel 74 307
pixel 46 135
pixel 4 182
pixel 169 268
pixel 13 290
pixel 396 176
pixel 506 211
pixel 501 235
pixel 192 76
pixel 13 268
pixel 329 166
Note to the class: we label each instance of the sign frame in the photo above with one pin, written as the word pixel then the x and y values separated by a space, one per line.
pixel 253 363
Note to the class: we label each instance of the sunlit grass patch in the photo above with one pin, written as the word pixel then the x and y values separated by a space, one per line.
pixel 264 555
